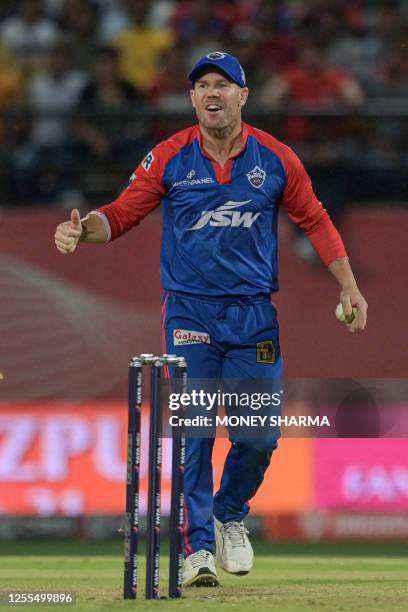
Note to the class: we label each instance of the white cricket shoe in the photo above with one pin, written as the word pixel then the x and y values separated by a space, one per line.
pixel 234 550
pixel 199 570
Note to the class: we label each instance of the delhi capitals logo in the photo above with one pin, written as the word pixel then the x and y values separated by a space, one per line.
pixel 216 55
pixel 256 177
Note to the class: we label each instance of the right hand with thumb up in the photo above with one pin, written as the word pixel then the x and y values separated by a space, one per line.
pixel 67 234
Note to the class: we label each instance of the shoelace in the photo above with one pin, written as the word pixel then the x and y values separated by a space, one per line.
pixel 198 557
pixel 236 533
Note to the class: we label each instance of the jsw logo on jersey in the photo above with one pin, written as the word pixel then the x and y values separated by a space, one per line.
pixel 225 215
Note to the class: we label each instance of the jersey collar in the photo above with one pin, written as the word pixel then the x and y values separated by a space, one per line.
pixel 208 156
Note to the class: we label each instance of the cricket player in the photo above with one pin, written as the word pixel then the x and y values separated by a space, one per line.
pixel 220 184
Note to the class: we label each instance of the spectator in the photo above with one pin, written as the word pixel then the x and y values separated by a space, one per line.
pixel 28 33
pixel 113 21
pixel 317 56
pixel 273 28
pixel 311 83
pixel 115 17
pixel 11 80
pixel 141 46
pixel 200 25
pixel 356 46
pixel 390 79
pixel 55 91
pixel 80 22
pixel 169 88
pixel 11 97
pixel 103 131
pixel 53 94
pixel 243 43
pixel 322 21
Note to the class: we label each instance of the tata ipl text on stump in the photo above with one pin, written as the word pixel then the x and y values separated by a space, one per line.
pixel 158 365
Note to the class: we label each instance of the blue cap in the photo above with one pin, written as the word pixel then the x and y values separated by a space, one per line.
pixel 226 63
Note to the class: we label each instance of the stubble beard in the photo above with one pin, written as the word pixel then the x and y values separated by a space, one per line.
pixel 222 132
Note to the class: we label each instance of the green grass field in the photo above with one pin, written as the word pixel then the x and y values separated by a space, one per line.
pixel 291 577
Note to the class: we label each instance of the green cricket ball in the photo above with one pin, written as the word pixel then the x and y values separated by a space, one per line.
pixel 340 316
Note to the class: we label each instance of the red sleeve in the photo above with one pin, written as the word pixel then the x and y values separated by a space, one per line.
pixel 308 213
pixel 142 195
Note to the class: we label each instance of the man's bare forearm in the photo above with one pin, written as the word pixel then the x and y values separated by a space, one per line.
pixel 350 295
pixel 93 229
pixel 341 270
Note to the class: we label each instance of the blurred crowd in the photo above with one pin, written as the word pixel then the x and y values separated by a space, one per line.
pixel 84 85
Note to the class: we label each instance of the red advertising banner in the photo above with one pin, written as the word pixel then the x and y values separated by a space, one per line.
pixel 69 459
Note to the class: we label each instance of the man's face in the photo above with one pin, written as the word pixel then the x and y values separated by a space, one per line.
pixel 217 100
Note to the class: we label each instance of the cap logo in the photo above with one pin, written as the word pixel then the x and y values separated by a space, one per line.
pixel 216 55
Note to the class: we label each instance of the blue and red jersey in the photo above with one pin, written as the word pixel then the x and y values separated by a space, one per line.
pixel 220 223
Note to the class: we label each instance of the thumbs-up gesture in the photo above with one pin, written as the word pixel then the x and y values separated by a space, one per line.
pixel 67 234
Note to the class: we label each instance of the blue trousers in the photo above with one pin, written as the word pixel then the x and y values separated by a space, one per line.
pixel 231 338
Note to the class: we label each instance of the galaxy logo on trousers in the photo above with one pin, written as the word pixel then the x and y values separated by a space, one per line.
pixel 188 336
pixel 226 215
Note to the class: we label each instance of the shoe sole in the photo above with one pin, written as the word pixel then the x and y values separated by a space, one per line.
pixel 239 573
pixel 205 579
